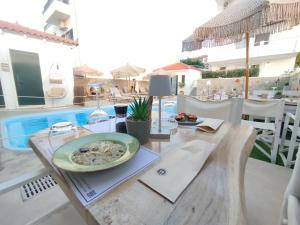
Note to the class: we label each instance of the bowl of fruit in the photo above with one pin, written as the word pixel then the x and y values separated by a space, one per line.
pixel 187 119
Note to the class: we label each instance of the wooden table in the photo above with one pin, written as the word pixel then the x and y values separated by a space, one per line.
pixel 215 196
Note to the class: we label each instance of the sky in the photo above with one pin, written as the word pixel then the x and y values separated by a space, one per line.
pixel 144 33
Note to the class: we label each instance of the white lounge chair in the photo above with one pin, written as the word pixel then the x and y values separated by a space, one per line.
pixel 117 96
pixel 268 132
pixel 228 110
pixel 143 91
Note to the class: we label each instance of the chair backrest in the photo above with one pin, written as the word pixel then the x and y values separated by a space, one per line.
pixel 266 108
pixel 229 110
pixel 293 189
pixel 115 92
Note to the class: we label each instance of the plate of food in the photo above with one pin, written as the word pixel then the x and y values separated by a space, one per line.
pixel 96 152
pixel 187 119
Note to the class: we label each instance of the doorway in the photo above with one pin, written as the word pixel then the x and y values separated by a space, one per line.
pixel 2 102
pixel 174 85
pixel 28 78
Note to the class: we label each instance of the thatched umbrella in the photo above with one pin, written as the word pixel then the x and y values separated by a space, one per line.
pixel 86 71
pixel 127 71
pixel 242 18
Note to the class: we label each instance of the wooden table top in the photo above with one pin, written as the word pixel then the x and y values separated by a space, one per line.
pixel 215 196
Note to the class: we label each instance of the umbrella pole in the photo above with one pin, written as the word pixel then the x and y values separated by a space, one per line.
pixel 247 65
pixel 129 87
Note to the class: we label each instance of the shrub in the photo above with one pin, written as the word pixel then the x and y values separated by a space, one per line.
pixel 139 108
pixel 230 73
pixel 193 62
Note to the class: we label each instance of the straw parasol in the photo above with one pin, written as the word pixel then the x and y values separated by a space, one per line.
pixel 242 18
pixel 127 71
pixel 86 71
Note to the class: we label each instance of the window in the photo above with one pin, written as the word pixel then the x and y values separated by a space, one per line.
pixel 262 39
pixel 69 34
pixel 183 79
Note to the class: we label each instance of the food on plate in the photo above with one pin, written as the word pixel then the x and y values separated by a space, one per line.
pixel 192 117
pixel 99 152
pixel 184 117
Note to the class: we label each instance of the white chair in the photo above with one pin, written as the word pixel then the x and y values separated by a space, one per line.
pixel 288 160
pixel 227 110
pixel 268 132
pixel 290 213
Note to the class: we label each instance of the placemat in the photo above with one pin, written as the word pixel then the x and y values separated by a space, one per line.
pixel 171 176
pixel 91 186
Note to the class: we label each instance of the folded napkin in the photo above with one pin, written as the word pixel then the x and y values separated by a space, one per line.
pixel 210 125
pixel 102 127
pixel 177 169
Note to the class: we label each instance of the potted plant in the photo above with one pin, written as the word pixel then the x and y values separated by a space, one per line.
pixel 139 123
pixel 278 94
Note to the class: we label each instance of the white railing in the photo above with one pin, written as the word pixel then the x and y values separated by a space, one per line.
pixel 53 103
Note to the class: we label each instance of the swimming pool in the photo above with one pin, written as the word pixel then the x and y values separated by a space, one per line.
pixel 17 130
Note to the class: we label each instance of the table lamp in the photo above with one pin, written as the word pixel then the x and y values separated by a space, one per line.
pixel 159 85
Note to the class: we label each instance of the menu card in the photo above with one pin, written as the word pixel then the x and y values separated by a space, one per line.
pixel 210 125
pixel 91 186
pixel 171 176
pixel 102 127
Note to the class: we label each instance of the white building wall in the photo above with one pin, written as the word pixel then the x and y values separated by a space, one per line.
pixel 267 67
pixel 49 53
pixel 276 67
pixel 191 77
pixel 274 58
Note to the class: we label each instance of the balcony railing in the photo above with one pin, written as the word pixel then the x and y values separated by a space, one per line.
pixel 69 34
pixel 49 2
pixel 47 26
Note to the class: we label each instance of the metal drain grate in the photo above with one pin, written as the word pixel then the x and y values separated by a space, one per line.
pixel 37 186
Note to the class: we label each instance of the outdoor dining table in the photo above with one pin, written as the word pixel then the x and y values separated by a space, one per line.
pixel 214 197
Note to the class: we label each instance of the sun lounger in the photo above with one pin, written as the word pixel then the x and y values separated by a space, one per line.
pixel 117 96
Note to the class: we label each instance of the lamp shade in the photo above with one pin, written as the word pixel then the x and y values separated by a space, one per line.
pixel 160 85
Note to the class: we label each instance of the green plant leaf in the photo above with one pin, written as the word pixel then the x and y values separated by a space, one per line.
pixel 139 108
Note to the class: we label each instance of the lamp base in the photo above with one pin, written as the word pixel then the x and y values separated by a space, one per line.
pixel 164 134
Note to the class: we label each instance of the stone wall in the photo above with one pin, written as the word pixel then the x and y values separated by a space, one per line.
pixel 230 84
pixel 123 85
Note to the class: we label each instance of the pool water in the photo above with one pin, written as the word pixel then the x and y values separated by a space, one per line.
pixel 17 130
